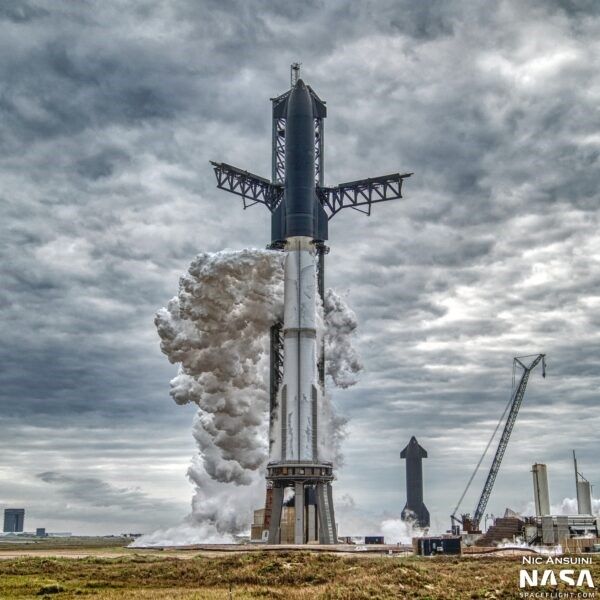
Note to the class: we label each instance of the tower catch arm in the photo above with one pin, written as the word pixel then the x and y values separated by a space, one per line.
pixel 252 188
pixel 364 192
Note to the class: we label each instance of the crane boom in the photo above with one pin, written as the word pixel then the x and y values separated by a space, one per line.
pixel 515 405
pixel 508 427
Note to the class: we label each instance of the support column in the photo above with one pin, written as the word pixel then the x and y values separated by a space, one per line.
pixel 276 507
pixel 334 537
pixel 312 527
pixel 299 510
pixel 327 529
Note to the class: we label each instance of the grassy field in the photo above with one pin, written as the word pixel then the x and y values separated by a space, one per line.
pixel 68 543
pixel 291 575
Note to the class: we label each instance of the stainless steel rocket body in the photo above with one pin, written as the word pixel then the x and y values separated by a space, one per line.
pixel 300 393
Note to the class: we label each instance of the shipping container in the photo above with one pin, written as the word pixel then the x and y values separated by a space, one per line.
pixel 374 539
pixel 429 546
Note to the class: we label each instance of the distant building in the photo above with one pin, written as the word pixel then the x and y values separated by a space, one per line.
pixel 13 520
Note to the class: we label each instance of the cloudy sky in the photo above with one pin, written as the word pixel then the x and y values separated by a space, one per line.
pixel 109 114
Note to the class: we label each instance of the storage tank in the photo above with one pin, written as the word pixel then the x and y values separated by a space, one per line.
pixel 540 490
pixel 584 497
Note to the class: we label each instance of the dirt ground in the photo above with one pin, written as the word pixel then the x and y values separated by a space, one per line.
pixel 111 571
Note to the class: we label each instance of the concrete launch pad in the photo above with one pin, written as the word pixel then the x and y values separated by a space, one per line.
pixel 343 548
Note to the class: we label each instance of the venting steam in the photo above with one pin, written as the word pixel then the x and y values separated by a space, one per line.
pixel 216 329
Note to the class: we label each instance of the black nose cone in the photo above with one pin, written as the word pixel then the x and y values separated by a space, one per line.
pixel 300 102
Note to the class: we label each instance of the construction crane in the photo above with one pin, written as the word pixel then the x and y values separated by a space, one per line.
pixel 471 524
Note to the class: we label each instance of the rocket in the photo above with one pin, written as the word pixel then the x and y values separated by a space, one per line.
pixel 415 508
pixel 300 221
pixel 299 226
pixel 301 207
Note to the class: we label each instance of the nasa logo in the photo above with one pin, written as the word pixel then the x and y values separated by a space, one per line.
pixel 548 578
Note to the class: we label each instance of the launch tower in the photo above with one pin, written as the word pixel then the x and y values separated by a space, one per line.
pixel 301 207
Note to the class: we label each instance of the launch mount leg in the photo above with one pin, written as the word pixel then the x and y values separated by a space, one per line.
pixel 299 510
pixel 276 507
pixel 312 526
pixel 327 534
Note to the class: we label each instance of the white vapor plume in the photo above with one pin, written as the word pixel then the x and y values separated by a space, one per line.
pixel 217 330
pixel 343 362
pixel 519 544
pixel 567 506
pixel 397 531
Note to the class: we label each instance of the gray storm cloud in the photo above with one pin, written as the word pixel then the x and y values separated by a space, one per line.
pixel 494 252
pixel 216 329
